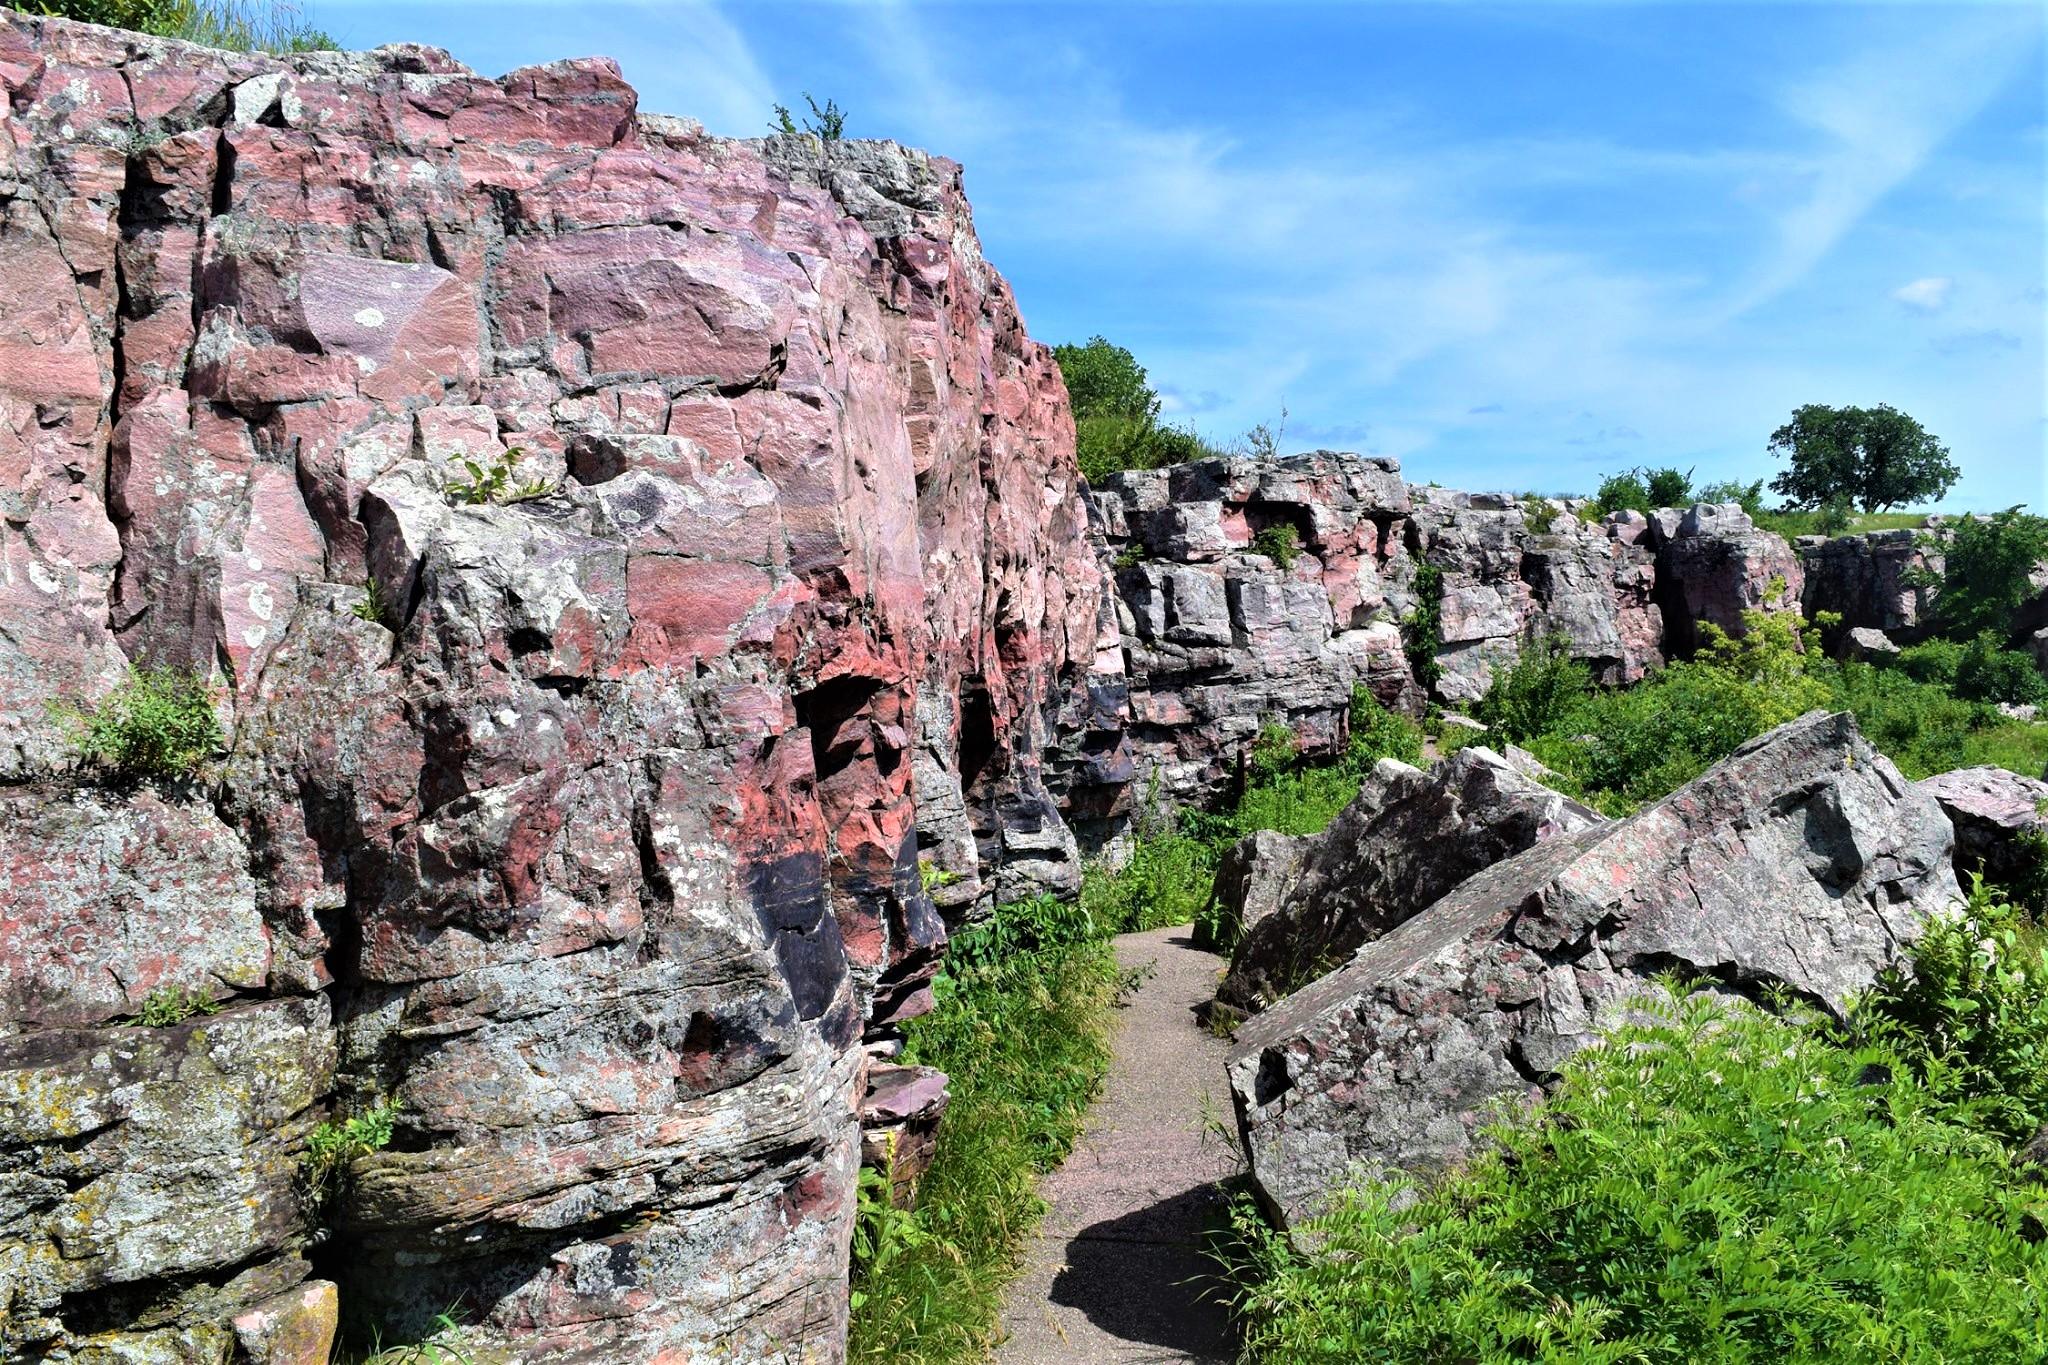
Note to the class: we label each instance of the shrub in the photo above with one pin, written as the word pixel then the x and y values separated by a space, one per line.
pixel 494 483
pixel 1165 880
pixel 1422 628
pixel 1023 1039
pixel 1281 544
pixel 1623 492
pixel 1931 661
pixel 827 124
pixel 1545 685
pixel 1986 569
pixel 1986 671
pixel 1971 1015
pixel 1668 487
pixel 157 725
pixel 1378 733
pixel 1748 496
pixel 1713 1183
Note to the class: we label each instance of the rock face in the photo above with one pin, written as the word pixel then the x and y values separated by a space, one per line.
pixel 586 827
pixel 1872 580
pixel 1220 637
pixel 2001 821
pixel 1404 842
pixel 1802 862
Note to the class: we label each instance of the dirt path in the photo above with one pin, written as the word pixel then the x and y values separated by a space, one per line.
pixel 1116 1273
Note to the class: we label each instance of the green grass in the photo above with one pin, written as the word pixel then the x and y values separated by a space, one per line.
pixel 1023 1035
pixel 237 25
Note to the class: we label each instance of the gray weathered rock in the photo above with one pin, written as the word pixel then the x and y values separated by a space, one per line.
pixel 1802 862
pixel 1877 579
pixel 1991 809
pixel 1868 644
pixel 1716 565
pixel 1403 843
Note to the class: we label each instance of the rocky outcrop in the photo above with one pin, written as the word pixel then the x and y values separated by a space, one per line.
pixel 1255 591
pixel 1307 904
pixel 1713 565
pixel 1801 863
pixel 1880 580
pixel 584 826
pixel 2001 821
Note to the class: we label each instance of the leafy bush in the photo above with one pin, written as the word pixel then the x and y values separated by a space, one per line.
pixel 1544 685
pixel 827 124
pixel 1971 1016
pixel 1623 492
pixel 1985 575
pixel 1713 1183
pixel 1281 544
pixel 495 483
pixel 157 725
pixel 1422 629
pixel 1986 671
pixel 1931 661
pixel 1023 1039
pixel 1748 496
pixel 1668 487
pixel 1378 733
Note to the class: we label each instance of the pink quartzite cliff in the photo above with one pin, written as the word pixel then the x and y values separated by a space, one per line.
pixel 586 828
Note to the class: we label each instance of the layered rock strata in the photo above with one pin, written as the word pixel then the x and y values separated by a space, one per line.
pixel 1802 863
pixel 587 827
pixel 1255 591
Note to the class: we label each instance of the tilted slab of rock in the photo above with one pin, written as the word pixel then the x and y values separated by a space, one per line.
pixel 1406 839
pixel 1992 809
pixel 1802 862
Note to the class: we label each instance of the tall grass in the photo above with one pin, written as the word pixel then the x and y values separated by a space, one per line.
pixel 1021 1027
pixel 237 25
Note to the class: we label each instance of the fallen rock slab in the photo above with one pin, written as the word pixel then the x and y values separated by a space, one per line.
pixel 1407 838
pixel 1994 811
pixel 1802 862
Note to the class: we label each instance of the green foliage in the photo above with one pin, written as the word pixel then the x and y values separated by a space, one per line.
pixel 1106 380
pixel 1262 442
pixel 1748 496
pixel 1621 492
pixel 1712 1184
pixel 1544 686
pixel 334 1143
pixel 157 725
pixel 1131 556
pixel 237 25
pixel 1378 733
pixel 1987 671
pixel 442 1347
pixel 1116 413
pixel 1023 1038
pixel 1984 581
pixel 1422 629
pixel 1971 1016
pixel 1876 457
pixel 827 124
pixel 168 1005
pixel 495 483
pixel 1281 544
pixel 1933 661
pixel 931 877
pixel 1669 487
pixel 373 607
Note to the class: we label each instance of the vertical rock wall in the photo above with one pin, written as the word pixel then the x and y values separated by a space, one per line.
pixel 587 828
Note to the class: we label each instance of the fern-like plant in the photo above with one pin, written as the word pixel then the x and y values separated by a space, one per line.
pixel 157 725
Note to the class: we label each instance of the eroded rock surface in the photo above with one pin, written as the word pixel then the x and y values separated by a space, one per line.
pixel 2001 821
pixel 1407 839
pixel 593 818
pixel 1802 862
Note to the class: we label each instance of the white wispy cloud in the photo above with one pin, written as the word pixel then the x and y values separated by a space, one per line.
pixel 1929 295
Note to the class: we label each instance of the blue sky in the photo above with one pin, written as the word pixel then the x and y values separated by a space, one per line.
pixel 1516 245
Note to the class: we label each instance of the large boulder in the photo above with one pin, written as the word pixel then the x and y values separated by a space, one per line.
pixel 1406 839
pixel 1801 863
pixel 1716 564
pixel 2001 821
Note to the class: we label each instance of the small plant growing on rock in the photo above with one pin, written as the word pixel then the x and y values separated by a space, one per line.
pixel 373 608
pixel 1281 544
pixel 157 725
pixel 334 1143
pixel 931 877
pixel 827 124
pixel 495 483
pixel 1131 556
pixel 168 1005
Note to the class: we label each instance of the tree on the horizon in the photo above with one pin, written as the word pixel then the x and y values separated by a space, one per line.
pixel 1875 457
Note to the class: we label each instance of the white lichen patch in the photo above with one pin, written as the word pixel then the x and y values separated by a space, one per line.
pixel 369 317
